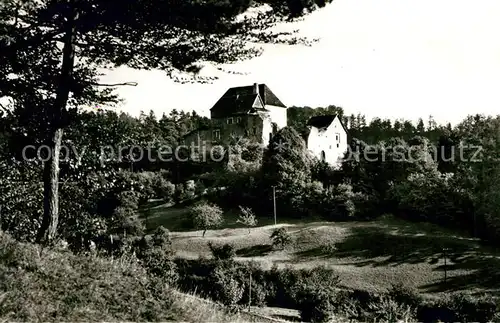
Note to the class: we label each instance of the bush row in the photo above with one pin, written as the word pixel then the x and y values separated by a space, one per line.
pixel 276 287
pixel 315 294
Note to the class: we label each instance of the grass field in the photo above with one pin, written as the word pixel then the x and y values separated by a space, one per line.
pixel 366 255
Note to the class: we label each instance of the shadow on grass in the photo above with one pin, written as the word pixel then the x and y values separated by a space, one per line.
pixel 373 241
pixel 484 275
pixel 173 218
pixel 255 251
pixel 405 245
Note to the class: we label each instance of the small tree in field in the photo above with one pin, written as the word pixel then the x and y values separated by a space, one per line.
pixel 247 217
pixel 206 216
pixel 281 238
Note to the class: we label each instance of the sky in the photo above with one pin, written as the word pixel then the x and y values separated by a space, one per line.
pixel 382 58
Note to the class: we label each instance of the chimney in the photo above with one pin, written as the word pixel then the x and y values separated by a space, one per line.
pixel 256 88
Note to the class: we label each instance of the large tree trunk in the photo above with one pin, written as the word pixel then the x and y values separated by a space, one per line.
pixel 51 190
pixel 50 220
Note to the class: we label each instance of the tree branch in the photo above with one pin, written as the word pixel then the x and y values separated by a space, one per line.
pixel 6 110
pixel 116 84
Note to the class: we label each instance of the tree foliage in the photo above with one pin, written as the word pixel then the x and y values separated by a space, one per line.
pixel 51 52
pixel 280 238
pixel 206 216
pixel 286 165
pixel 247 217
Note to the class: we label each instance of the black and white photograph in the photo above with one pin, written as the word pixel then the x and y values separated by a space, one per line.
pixel 250 161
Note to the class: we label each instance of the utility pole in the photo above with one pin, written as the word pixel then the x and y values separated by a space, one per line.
pixel 274 203
pixel 444 250
pixel 475 225
pixel 250 292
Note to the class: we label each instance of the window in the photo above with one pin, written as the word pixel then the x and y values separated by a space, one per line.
pixel 229 120
pixel 337 138
pixel 216 134
pixel 338 145
pixel 238 120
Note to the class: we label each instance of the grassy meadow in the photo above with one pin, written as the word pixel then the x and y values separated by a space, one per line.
pixel 369 255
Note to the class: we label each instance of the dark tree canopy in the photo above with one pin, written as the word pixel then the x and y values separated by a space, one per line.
pixel 51 52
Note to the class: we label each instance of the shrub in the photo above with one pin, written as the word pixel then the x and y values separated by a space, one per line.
pixel 405 295
pixel 126 220
pixel 206 216
pixel 282 284
pixel 160 264
pixel 195 275
pixel 199 188
pixel 155 254
pixel 224 252
pixel 348 306
pixel 343 202
pixel 163 189
pixel 227 289
pixel 433 197
pixel 129 199
pixel 260 289
pixel 386 309
pixel 258 294
pixel 247 217
pixel 179 193
pixel 281 238
pixel 144 184
pixel 190 189
pixel 79 230
pixel 316 280
pixel 435 312
pixel 291 288
pixel 467 308
pixel 307 199
pixel 316 306
pixel 459 307
pixel 315 293
pixel 49 286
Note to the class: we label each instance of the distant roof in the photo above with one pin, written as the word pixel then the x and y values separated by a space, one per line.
pixel 202 128
pixel 321 121
pixel 241 99
pixel 324 121
pixel 235 104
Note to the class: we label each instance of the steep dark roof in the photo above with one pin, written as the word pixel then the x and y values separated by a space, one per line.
pixel 321 121
pixel 237 103
pixel 324 121
pixel 241 99
pixel 267 96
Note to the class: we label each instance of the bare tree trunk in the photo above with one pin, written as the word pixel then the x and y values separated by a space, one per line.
pixel 51 191
pixel 204 231
pixel 50 220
